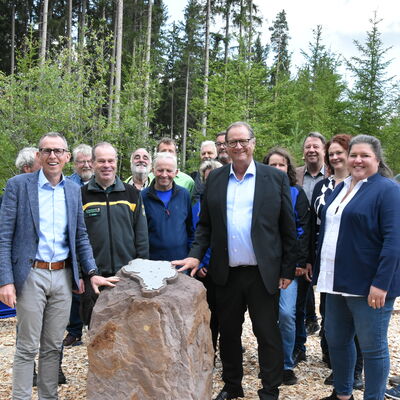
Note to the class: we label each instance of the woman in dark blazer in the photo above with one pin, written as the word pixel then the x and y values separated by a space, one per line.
pixel 358 266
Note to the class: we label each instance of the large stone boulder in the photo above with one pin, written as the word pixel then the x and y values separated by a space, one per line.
pixel 143 347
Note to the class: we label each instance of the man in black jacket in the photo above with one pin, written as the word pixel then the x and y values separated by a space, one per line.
pixel 115 219
pixel 247 220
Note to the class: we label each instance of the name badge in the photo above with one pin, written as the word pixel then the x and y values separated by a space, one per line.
pixel 93 212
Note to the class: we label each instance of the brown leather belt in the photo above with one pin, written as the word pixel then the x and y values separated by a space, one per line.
pixel 51 265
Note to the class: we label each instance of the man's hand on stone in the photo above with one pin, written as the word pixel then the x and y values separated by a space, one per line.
pixel 98 281
pixel 8 295
pixel 188 263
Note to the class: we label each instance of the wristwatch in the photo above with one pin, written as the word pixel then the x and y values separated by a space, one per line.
pixel 92 272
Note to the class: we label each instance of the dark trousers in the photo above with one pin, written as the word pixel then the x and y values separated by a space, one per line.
pixel 211 300
pixel 245 290
pixel 88 300
pixel 75 325
pixel 301 335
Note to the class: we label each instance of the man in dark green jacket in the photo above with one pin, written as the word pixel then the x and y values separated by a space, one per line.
pixel 115 219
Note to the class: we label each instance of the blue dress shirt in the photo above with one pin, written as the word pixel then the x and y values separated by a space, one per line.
pixel 239 207
pixel 53 237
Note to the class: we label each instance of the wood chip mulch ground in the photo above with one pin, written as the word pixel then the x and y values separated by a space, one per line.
pixel 311 373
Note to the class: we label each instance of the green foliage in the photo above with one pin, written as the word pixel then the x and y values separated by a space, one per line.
pixel 368 97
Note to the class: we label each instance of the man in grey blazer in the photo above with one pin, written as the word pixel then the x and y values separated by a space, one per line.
pixel 247 220
pixel 42 236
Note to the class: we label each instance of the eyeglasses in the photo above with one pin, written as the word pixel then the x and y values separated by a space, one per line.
pixel 220 144
pixel 242 142
pixel 57 152
pixel 83 162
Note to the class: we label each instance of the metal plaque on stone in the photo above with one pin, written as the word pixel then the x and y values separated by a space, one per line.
pixel 153 276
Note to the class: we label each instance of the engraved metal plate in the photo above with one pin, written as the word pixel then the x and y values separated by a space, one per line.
pixel 153 276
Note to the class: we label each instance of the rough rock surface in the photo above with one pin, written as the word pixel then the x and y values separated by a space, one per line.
pixel 144 348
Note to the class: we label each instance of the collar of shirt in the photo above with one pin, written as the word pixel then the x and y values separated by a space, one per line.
pixel 108 189
pixel 251 170
pixel 43 181
pixel 321 171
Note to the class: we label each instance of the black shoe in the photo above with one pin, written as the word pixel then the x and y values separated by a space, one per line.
pixel 289 378
pixel 394 380
pixel 358 382
pixel 61 377
pixel 329 380
pixel 312 327
pixel 334 397
pixel 299 356
pixel 223 395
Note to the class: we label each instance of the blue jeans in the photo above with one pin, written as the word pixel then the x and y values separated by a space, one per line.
pixel 75 323
pixel 346 317
pixel 287 322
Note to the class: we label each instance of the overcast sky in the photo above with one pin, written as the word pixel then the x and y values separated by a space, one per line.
pixel 342 21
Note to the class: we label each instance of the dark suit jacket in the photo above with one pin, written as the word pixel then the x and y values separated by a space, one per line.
pixel 273 229
pixel 19 236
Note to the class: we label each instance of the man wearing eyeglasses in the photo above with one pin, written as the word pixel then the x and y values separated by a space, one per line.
pixel 247 220
pixel 43 234
pixel 223 156
pixel 82 156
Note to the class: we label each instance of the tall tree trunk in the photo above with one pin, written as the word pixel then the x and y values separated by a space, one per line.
pixel 12 39
pixel 134 23
pixel 185 114
pixel 147 69
pixel 227 20
pixel 241 29
pixel 69 25
pixel 172 108
pixel 118 56
pixel 42 54
pixel 250 38
pixel 206 70
pixel 82 23
pixel 112 71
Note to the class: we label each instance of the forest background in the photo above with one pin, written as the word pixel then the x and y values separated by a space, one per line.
pixel 118 71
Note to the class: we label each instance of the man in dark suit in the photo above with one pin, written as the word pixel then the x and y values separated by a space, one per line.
pixel 247 220
pixel 43 234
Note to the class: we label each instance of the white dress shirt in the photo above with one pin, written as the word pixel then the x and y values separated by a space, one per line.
pixel 332 226
pixel 239 207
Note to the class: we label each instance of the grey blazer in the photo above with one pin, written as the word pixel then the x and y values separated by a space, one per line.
pixel 19 222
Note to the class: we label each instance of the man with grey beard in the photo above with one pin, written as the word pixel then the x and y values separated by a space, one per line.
pixel 140 167
pixel 82 156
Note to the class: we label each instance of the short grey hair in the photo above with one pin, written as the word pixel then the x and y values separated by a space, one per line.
pixel 208 143
pixel 165 156
pixel 376 147
pixel 103 144
pixel 26 157
pixel 315 135
pixel 54 134
pixel 237 124
pixel 84 149
pixel 208 165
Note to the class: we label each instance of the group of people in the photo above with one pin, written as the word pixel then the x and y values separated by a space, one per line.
pixel 258 235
